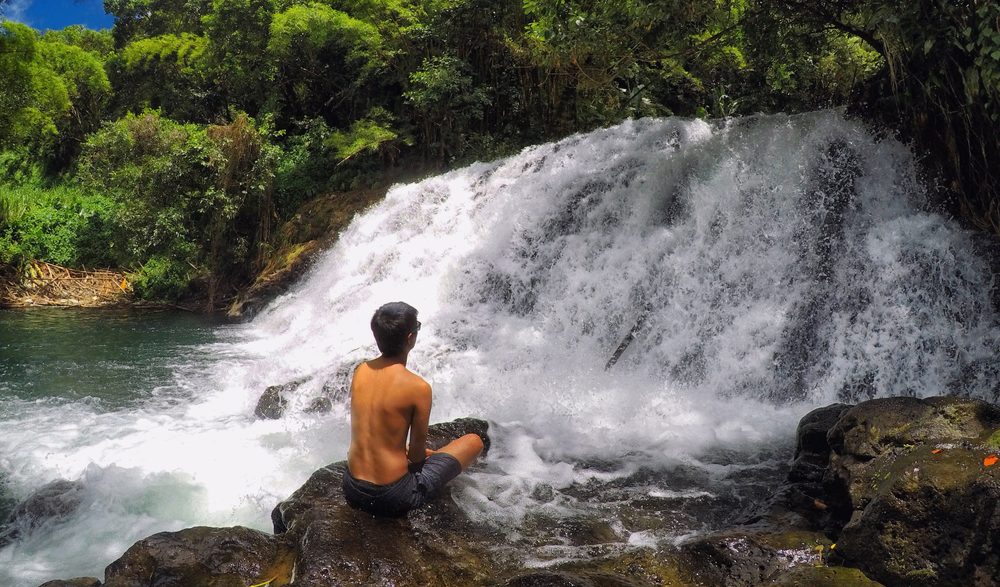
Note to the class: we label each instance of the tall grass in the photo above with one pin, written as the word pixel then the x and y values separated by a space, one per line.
pixel 13 205
pixel 59 223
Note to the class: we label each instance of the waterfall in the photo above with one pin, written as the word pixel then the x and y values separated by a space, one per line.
pixel 773 259
pixel 642 313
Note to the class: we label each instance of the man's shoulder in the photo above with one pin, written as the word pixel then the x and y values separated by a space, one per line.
pixel 417 383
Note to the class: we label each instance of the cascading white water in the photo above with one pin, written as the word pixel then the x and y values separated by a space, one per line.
pixel 745 271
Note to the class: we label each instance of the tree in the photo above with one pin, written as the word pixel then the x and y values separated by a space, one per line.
pixel 88 91
pixel 35 98
pixel 939 83
pixel 323 58
pixel 446 102
pixel 238 31
pixel 167 72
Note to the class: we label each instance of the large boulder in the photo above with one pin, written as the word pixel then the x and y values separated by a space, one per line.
pixel 49 505
pixel 923 490
pixel 221 557
pixel 336 544
pixel 808 493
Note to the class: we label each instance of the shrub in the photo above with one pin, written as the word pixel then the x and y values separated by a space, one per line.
pixel 161 278
pixel 61 224
pixel 198 196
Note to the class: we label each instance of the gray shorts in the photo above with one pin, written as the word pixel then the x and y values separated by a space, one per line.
pixel 416 488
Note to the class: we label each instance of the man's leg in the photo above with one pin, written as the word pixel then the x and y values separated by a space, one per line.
pixel 464 449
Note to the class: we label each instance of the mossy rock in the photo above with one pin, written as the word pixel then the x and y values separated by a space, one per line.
pixel 220 557
pixel 925 498
pixel 313 228
pixel 822 576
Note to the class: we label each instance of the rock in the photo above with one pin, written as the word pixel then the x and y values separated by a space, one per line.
pixel 336 544
pixel 821 504
pixel 923 501
pixel 271 405
pixel 555 579
pixel 891 426
pixel 810 436
pixel 77 582
pixel 814 576
pixel 235 556
pixel 746 557
pixel 441 434
pixel 50 504
pixel 338 387
pixel 320 405
pixel 313 228
pixel 272 402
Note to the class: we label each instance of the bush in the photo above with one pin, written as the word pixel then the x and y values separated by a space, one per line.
pixel 61 224
pixel 161 279
pixel 197 195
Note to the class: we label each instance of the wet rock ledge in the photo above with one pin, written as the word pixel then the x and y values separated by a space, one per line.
pixel 894 492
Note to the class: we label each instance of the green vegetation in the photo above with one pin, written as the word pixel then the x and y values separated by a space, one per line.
pixel 171 145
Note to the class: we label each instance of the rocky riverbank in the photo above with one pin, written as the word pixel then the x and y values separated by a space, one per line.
pixel 896 491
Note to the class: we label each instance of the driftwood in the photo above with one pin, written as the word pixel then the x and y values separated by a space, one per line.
pixel 47 284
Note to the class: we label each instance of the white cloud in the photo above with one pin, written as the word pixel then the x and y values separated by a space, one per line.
pixel 16 10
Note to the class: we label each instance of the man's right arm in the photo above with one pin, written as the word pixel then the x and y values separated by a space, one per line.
pixel 418 423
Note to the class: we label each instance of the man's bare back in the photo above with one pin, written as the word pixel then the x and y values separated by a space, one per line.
pixel 389 404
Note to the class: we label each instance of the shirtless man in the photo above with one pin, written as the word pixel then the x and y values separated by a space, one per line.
pixel 387 477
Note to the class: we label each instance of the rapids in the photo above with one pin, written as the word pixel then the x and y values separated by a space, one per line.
pixel 745 271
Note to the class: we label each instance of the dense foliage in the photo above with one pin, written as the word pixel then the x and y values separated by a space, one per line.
pixel 940 83
pixel 172 144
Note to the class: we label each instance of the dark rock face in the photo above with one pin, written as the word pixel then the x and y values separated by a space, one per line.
pixel 924 498
pixel 822 504
pixel 202 556
pixel 273 401
pixel 49 505
pixel 314 227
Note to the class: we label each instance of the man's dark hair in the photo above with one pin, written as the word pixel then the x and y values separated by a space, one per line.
pixel 391 324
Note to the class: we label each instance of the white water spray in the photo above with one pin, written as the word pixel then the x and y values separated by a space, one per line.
pixel 740 272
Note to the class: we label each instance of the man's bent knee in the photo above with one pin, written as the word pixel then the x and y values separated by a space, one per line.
pixel 476 441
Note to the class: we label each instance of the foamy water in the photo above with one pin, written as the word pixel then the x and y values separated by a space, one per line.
pixel 764 266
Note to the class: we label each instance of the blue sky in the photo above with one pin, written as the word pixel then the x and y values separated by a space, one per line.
pixel 57 14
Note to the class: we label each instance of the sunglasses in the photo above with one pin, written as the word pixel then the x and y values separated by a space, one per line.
pixel 418 326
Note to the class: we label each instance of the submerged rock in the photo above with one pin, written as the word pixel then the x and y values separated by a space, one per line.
pixel 273 401
pixel 50 504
